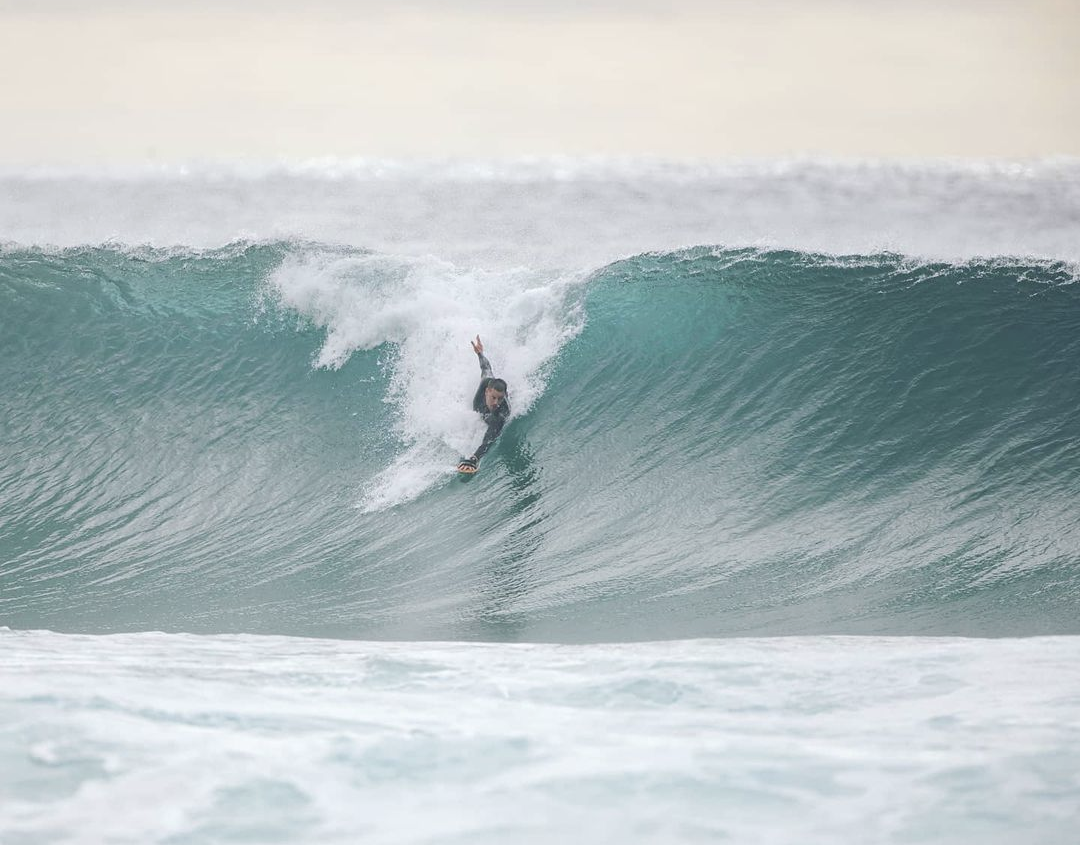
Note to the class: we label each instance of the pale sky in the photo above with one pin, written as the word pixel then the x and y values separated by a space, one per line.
pixel 121 82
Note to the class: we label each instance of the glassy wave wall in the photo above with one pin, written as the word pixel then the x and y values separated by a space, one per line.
pixel 706 442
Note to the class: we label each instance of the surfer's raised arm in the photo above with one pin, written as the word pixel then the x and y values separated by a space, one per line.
pixel 490 402
pixel 485 364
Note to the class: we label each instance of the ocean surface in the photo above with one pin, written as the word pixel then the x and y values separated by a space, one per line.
pixel 781 543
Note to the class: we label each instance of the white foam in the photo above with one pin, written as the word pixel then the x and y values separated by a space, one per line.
pixel 428 310
pixel 152 737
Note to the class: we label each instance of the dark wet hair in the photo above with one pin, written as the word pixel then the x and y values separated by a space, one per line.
pixel 497 384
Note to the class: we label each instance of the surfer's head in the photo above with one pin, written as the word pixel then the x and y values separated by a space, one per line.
pixel 494 393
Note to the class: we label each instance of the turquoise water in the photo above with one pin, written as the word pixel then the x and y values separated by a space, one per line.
pixel 709 442
pixel 779 546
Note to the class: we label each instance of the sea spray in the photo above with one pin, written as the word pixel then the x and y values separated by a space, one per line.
pixel 426 311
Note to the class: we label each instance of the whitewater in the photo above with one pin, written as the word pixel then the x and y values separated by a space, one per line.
pixel 780 543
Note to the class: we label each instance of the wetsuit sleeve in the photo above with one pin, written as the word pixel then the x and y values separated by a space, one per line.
pixel 493 429
pixel 485 365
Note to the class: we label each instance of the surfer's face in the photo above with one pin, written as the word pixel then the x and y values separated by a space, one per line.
pixel 493 397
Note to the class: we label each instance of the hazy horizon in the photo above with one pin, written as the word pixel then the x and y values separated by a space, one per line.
pixel 120 82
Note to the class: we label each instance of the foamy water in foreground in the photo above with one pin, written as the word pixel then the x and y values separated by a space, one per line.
pixel 172 738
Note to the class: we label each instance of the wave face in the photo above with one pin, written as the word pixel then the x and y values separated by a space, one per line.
pixel 706 442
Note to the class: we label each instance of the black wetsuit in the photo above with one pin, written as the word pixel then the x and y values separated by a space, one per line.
pixel 495 419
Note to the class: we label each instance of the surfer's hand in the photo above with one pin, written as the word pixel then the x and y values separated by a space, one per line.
pixel 477 346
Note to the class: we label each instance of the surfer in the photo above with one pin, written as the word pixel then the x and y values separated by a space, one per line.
pixel 490 403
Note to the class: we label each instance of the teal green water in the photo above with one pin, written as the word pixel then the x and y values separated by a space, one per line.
pixel 737 442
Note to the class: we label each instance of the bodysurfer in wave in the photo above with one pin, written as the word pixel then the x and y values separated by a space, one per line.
pixel 490 402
